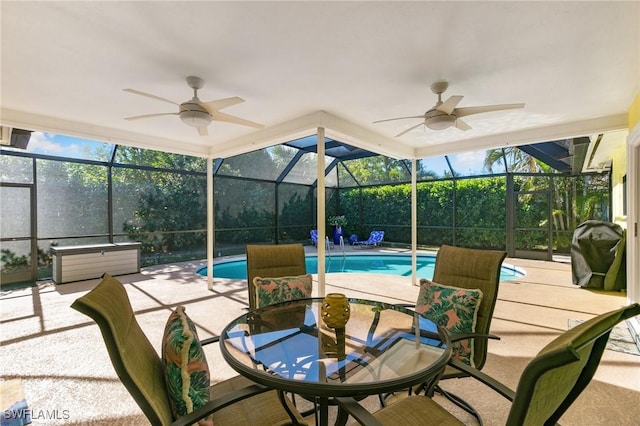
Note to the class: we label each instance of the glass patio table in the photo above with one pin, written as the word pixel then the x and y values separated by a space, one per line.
pixel 382 348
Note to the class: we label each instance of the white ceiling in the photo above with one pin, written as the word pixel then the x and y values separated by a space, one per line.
pixel 339 65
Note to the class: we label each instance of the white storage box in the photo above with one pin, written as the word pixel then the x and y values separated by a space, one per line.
pixel 76 263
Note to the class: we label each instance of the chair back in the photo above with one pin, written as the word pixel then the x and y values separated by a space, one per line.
pixel 376 237
pixel 273 261
pixel 552 381
pixel 314 236
pixel 471 269
pixel 135 360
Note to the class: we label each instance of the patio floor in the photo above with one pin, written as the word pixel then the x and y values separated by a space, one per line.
pixel 58 357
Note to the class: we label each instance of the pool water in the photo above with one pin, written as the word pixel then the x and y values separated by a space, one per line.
pixel 374 264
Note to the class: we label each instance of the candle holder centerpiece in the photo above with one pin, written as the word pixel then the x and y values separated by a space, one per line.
pixel 335 312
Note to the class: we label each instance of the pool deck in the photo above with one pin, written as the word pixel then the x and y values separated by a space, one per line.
pixel 59 356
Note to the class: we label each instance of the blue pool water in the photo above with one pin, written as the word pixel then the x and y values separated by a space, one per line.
pixel 374 264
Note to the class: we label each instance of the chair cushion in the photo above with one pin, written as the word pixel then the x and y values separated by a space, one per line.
pixel 453 308
pixel 185 364
pixel 282 289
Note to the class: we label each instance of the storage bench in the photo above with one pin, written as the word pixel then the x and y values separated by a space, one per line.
pixel 76 263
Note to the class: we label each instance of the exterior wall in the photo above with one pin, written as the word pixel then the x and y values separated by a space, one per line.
pixel 633 214
pixel 619 170
pixel 634 112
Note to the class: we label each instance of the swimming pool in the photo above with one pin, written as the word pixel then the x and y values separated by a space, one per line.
pixel 374 264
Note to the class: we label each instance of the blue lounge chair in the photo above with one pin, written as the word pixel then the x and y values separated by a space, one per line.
pixel 375 238
pixel 314 237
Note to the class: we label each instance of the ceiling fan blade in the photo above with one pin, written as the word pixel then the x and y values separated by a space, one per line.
pixel 158 98
pixel 203 131
pixel 399 118
pixel 464 111
pixel 459 124
pixel 219 104
pixel 449 105
pixel 409 129
pixel 138 117
pixel 220 116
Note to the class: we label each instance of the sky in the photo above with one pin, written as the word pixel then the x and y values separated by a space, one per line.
pixel 66 146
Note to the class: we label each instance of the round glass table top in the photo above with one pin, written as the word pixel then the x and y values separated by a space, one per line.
pixel 382 347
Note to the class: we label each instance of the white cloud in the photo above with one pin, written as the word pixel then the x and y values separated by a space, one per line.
pixel 47 143
pixel 472 161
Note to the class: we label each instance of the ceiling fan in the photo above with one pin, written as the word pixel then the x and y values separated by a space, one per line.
pixel 445 114
pixel 196 113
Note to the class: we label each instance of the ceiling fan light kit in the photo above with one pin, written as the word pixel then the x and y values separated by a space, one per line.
pixel 436 120
pixel 445 114
pixel 194 115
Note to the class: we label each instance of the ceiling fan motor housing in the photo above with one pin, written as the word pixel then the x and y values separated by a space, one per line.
pixel 192 114
pixel 438 120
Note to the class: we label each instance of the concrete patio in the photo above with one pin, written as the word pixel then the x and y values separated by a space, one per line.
pixel 58 355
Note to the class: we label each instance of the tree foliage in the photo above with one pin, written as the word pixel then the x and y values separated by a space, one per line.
pixel 378 169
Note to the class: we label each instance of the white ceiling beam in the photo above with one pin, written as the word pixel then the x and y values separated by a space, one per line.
pixel 352 134
pixel 273 135
pixel 529 136
pixel 337 128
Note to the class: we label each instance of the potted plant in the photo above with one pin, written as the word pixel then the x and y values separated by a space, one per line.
pixel 338 223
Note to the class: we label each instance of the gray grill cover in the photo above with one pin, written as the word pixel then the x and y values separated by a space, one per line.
pixel 597 256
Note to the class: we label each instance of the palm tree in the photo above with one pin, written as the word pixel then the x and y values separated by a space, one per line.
pixel 517 160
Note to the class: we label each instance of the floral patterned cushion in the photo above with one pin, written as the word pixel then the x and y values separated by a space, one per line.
pixel 186 368
pixel 282 289
pixel 455 309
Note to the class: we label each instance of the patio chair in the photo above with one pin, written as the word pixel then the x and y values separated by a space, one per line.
pixel 314 237
pixel 375 238
pixel 549 384
pixel 236 401
pixel 273 261
pixel 468 269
